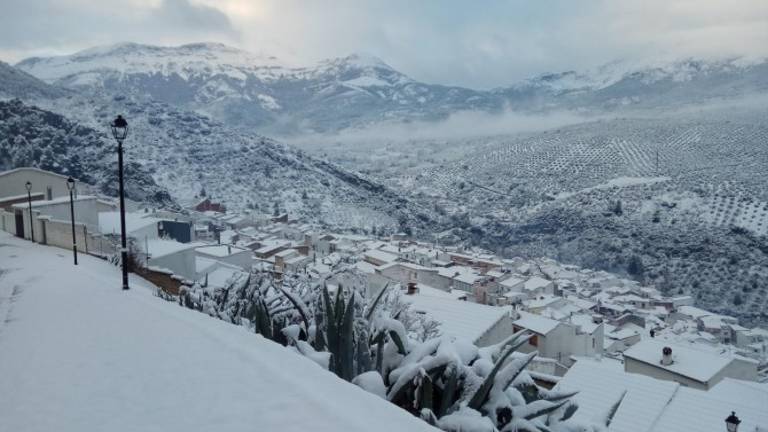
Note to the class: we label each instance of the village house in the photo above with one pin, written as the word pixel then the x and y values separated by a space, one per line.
pixel 561 340
pixel 693 367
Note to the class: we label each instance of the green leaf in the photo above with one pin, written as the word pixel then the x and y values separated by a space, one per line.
pixel 449 391
pixel 399 342
pixel 375 303
pixel 480 396
pixel 520 366
pixel 346 345
pixel 545 410
pixel 425 393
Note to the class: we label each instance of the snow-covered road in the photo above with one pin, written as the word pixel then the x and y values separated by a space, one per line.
pixel 79 354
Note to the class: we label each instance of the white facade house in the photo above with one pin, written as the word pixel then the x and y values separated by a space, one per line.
pixel 49 184
pixel 689 366
pixel 652 405
pixel 560 340
pixel 480 324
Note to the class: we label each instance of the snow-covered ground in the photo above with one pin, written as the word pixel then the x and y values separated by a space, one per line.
pixel 79 354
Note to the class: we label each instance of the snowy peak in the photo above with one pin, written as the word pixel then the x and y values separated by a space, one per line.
pixel 131 58
pixel 678 71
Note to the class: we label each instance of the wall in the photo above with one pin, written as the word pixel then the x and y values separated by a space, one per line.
pixel 59 233
pixel 182 263
pixel 500 331
pixel 8 222
pixel 164 280
pixel 638 367
pixel 12 182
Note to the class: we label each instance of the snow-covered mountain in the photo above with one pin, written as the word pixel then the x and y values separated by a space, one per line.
pixel 30 136
pixel 259 91
pixel 182 153
pixel 242 89
pixel 15 83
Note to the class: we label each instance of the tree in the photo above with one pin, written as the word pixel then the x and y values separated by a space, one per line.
pixel 635 266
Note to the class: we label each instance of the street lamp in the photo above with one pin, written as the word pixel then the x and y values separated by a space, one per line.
pixel 28 185
pixel 120 132
pixel 71 187
pixel 732 422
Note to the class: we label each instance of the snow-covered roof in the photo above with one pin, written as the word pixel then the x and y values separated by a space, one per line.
pixel 511 282
pixel 59 200
pixel 109 222
pixel 693 363
pixel 160 247
pixel 652 405
pixel 536 323
pixel 459 319
pixel 220 250
pixel 693 311
pixel 535 283
pixel 601 385
pixel 380 255
pixel 134 362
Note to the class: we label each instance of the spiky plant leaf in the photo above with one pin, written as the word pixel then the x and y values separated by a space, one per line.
pixel 513 370
pixel 425 392
pixel 570 410
pixel 346 341
pixel 545 408
pixel 479 397
pixel 398 342
pixel 449 395
pixel 375 303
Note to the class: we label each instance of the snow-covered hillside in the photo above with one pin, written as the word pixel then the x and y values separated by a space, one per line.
pixel 685 195
pixel 80 354
pixel 185 153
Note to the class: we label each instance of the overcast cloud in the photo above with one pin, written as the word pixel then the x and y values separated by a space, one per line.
pixel 479 44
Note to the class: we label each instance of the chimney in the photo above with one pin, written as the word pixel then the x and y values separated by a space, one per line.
pixel 666 356
pixel 412 288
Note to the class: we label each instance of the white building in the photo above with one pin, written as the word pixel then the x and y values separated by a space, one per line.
pixel 561 340
pixel 693 367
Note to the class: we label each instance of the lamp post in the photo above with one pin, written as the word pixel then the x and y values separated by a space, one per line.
pixel 71 187
pixel 120 132
pixel 732 422
pixel 28 185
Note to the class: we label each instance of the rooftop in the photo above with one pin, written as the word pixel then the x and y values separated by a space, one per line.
pixel 459 319
pixel 536 323
pixel 688 361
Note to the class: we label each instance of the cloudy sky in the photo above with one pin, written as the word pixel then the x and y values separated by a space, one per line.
pixel 481 44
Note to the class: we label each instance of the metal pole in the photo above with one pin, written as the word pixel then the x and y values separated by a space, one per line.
pixel 124 250
pixel 72 216
pixel 31 222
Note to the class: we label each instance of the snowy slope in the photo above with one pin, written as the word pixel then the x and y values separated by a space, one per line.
pixel 79 354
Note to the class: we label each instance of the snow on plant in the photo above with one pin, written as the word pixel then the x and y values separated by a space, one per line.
pixel 452 384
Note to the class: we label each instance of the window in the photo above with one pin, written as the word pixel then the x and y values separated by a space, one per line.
pixel 534 340
pixel 593 343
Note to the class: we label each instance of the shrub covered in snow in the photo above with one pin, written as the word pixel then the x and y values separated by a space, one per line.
pixel 449 383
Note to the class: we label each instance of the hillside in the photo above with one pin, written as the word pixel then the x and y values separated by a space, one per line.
pixel 30 136
pixel 14 83
pixel 684 196
pixel 82 355
pixel 175 155
pixel 189 153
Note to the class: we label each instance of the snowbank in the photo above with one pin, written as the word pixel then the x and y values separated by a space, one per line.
pixel 79 354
